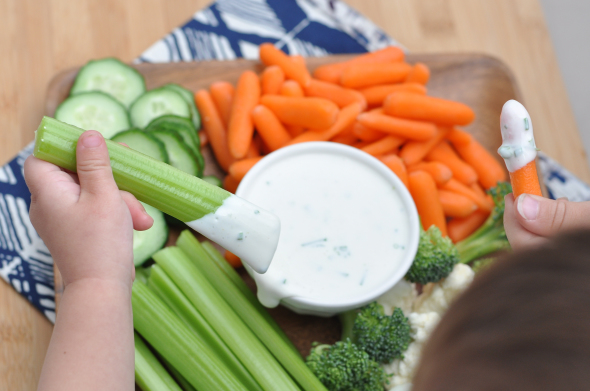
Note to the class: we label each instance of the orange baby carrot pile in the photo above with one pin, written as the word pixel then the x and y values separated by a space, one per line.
pixel 375 102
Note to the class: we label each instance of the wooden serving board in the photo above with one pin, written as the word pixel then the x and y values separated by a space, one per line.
pixel 482 82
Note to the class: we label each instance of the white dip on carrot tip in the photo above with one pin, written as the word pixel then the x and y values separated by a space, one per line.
pixel 518 142
pixel 344 227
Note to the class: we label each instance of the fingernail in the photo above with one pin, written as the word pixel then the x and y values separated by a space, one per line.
pixel 528 207
pixel 91 141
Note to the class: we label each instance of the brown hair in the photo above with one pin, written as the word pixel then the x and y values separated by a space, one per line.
pixel 524 324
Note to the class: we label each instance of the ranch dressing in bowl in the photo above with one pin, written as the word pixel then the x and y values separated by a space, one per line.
pixel 349 228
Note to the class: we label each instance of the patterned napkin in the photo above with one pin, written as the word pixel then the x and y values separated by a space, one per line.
pixel 226 30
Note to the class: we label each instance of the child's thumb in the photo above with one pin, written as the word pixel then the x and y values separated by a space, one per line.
pixel 546 217
pixel 93 164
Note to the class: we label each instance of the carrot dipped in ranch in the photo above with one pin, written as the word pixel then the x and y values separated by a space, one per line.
pixel 518 149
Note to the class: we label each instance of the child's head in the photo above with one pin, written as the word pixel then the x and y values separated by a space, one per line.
pixel 524 324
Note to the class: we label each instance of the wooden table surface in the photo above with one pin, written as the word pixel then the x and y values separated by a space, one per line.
pixel 42 37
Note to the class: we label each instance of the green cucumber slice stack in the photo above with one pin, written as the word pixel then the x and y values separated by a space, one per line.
pixel 156 103
pixel 112 77
pixel 190 100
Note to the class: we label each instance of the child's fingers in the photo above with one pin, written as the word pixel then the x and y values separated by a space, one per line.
pixel 141 220
pixel 93 165
pixel 37 172
pixel 517 235
pixel 545 217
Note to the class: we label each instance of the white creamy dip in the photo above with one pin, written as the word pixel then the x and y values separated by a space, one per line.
pixel 518 142
pixel 345 230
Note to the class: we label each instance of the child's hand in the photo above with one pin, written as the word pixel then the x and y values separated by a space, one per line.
pixel 531 220
pixel 84 219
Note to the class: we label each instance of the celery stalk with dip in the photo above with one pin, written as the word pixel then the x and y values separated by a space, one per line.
pixel 234 223
pixel 519 149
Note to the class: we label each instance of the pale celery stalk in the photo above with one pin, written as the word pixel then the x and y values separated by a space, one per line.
pixel 234 223
pixel 165 288
pixel 171 338
pixel 253 317
pixel 150 375
pixel 246 346
pixel 234 278
pixel 182 382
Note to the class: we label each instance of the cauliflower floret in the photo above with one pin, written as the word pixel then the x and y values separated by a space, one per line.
pixel 437 297
pixel 402 295
pixel 403 370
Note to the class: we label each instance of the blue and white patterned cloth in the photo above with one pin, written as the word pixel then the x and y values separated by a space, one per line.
pixel 226 30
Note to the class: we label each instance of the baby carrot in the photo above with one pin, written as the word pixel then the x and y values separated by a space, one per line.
pixel 383 146
pixel 241 127
pixel 363 133
pixel 376 95
pixel 438 171
pixel 445 154
pixel 489 170
pixel 232 259
pixel 240 168
pixel 291 88
pixel 366 75
pixel 203 138
pixel 271 80
pixel 332 72
pixel 315 113
pixel 253 151
pixel 526 181
pixel 395 164
pixel 419 74
pixel 222 94
pixel 461 228
pixel 414 151
pixel 270 128
pixel 345 119
pixel 231 184
pixel 455 205
pixel 213 125
pixel 425 195
pixel 261 145
pixel 412 130
pixel 270 55
pixel 361 144
pixel 428 108
pixel 339 95
pixel 458 137
pixel 342 138
pixel 459 188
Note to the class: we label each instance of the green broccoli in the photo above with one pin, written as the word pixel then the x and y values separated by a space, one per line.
pixel 435 258
pixel 490 237
pixel 383 337
pixel 345 367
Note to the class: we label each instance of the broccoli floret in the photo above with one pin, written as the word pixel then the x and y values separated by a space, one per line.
pixel 490 237
pixel 435 258
pixel 345 367
pixel 383 337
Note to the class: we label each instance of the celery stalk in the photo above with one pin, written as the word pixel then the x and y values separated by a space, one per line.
pixel 165 288
pixel 182 382
pixel 234 277
pixel 248 312
pixel 150 375
pixel 158 184
pixel 246 346
pixel 171 338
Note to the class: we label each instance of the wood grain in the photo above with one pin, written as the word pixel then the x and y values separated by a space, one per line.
pixel 482 82
pixel 43 37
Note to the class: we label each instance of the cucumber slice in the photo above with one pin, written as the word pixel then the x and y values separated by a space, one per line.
pixel 144 143
pixel 146 243
pixel 190 99
pixel 185 129
pixel 156 103
pixel 179 154
pixel 112 77
pixel 212 179
pixel 94 110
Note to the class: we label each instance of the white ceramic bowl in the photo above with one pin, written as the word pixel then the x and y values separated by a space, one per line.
pixel 315 306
